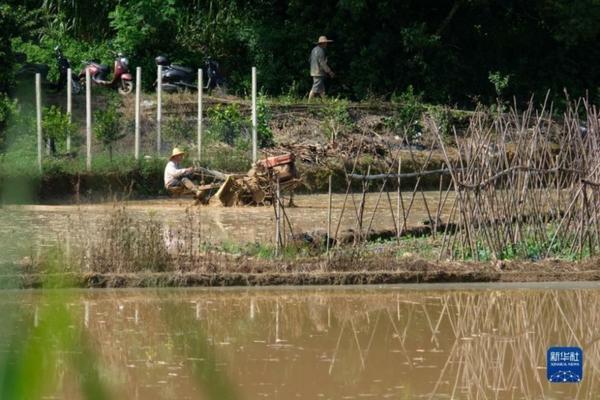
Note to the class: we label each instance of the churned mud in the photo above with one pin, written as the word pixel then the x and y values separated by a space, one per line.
pixel 234 224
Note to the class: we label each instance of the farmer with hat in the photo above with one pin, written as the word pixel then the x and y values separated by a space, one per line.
pixel 319 68
pixel 177 179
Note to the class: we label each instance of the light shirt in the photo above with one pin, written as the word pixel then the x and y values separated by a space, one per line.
pixel 318 62
pixel 173 173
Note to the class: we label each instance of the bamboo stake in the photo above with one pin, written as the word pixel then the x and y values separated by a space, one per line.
pixel 329 218
pixel 200 89
pixel 348 189
pixel 361 209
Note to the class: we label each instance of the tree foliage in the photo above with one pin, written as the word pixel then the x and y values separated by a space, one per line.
pixel 56 125
pixel 447 50
pixel 107 127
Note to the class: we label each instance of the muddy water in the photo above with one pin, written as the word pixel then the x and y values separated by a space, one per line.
pixel 43 225
pixel 438 342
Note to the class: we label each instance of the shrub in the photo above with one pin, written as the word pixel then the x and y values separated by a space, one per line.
pixel 406 118
pixel 7 108
pixel 226 124
pixel 56 126
pixel 336 118
pixel 499 81
pixel 178 131
pixel 263 117
pixel 108 126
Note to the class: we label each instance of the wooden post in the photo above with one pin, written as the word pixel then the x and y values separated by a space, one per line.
pixel 254 123
pixel 361 207
pixel 329 218
pixel 88 119
pixel 399 199
pixel 200 83
pixel 69 104
pixel 38 106
pixel 138 95
pixel 158 107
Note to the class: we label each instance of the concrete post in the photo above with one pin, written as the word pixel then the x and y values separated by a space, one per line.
pixel 69 104
pixel 158 108
pixel 38 109
pixel 88 119
pixel 200 83
pixel 254 123
pixel 138 94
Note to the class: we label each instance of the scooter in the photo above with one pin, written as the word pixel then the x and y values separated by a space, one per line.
pixel 215 79
pixel 28 71
pixel 177 78
pixel 122 80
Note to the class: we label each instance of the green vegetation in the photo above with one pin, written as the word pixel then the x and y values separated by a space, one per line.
pixel 179 131
pixel 450 52
pixel 499 81
pixel 108 126
pixel 266 251
pixel 7 108
pixel 227 125
pixel 50 340
pixel 408 110
pixel 336 118
pixel 56 126
pixel 36 354
pixel 263 117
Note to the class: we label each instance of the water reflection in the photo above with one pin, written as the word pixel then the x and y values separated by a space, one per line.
pixel 350 344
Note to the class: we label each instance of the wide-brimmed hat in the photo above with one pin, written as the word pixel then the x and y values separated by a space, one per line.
pixel 176 152
pixel 323 39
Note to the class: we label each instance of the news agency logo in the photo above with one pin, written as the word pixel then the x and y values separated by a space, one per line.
pixel 564 364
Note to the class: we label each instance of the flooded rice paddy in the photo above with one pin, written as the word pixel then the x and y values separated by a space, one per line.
pixel 23 228
pixel 426 342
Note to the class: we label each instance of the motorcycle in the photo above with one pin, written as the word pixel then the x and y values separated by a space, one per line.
pixel 177 78
pixel 28 71
pixel 214 78
pixel 121 79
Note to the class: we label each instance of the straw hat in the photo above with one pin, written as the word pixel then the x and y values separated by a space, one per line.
pixel 323 39
pixel 176 151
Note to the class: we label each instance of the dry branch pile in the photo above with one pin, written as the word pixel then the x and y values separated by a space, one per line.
pixel 344 148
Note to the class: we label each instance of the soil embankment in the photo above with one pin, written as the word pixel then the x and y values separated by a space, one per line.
pixel 278 273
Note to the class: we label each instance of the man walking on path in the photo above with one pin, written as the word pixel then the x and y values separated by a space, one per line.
pixel 319 68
